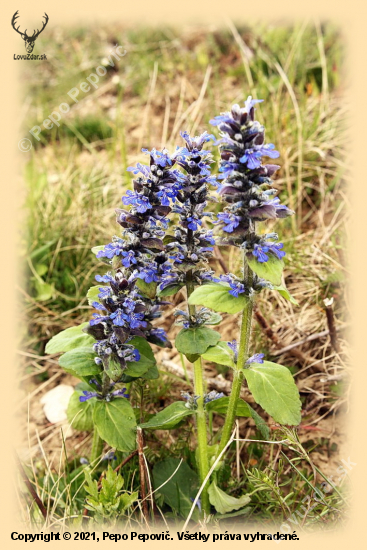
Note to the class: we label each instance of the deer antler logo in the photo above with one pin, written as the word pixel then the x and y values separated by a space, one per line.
pixel 28 40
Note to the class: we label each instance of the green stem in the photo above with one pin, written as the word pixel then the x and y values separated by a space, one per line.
pixel 97 447
pixel 202 434
pixel 243 354
pixel 200 414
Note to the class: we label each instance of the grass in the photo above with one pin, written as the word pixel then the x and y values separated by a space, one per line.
pixel 169 80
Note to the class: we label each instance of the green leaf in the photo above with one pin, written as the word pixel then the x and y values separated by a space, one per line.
pixel 224 503
pixel 148 289
pixel 217 297
pixel 214 319
pixel 146 361
pixel 115 422
pixel 80 414
pixel 92 294
pixel 195 341
pixel 97 249
pixel 44 290
pixel 180 489
pixel 274 389
pixel 260 423
pixel 80 362
pixel 69 339
pixel 169 417
pixel 284 292
pixel 127 500
pixel 220 406
pixel 220 354
pixel 242 512
pixel 114 369
pixel 151 374
pixel 41 269
pixel 169 239
pixel 169 290
pixel 271 270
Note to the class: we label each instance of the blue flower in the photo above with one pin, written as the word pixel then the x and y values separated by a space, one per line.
pixel 230 221
pixel 129 304
pixel 159 333
pixel 234 347
pixel 198 503
pixel 107 278
pixel 136 320
pixel 120 393
pixel 259 252
pixel 162 159
pixel 119 318
pixel 276 250
pixel 198 141
pixel 191 400
pixel 220 119
pixel 139 168
pixel 128 258
pixel 99 306
pixel 194 223
pixel 140 202
pixel 253 156
pixel 97 319
pixel 257 358
pixel 104 292
pixel 236 286
pixel 212 396
pixel 249 103
pixel 87 395
pixel 111 250
pixel 135 356
pixel 110 455
pixel 149 274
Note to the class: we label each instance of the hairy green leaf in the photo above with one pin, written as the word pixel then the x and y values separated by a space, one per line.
pixel 180 489
pixel 224 503
pixel 69 339
pixel 284 292
pixel 80 414
pixel 92 294
pixel 169 417
pixel 260 423
pixel 195 341
pixel 214 319
pixel 217 297
pixel 80 362
pixel 169 290
pixel 273 388
pixel 97 249
pixel 148 289
pixel 146 361
pixel 151 374
pixel 220 406
pixel 270 271
pixel 116 424
pixel 220 354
